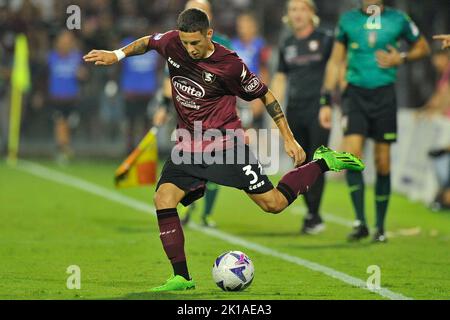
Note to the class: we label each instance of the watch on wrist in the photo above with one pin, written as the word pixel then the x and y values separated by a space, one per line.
pixel 404 57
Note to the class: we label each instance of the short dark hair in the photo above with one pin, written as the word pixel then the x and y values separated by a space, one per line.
pixel 193 20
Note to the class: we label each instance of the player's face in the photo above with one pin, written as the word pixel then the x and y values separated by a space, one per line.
pixel 300 14
pixel 196 43
pixel 246 27
pixel 64 42
pixel 368 3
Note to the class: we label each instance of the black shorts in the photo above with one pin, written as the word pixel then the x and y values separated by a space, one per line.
pixel 371 113
pixel 136 107
pixel 245 175
pixel 63 108
pixel 303 119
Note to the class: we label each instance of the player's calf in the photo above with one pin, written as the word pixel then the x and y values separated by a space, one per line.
pixel 272 201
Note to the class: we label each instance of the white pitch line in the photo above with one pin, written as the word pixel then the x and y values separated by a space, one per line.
pixel 71 181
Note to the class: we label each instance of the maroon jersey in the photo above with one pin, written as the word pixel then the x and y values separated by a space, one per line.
pixel 205 90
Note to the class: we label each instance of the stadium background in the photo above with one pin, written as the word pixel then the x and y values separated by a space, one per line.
pixel 104 24
pixel 101 233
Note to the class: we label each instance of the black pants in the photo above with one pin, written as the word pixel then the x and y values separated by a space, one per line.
pixel 303 119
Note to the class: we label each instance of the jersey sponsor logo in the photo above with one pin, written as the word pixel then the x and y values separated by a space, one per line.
pixel 173 63
pixel 208 77
pixel 187 88
pixel 187 103
pixel 252 85
pixel 354 45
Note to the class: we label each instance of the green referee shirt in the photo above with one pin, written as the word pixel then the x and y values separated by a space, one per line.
pixel 363 36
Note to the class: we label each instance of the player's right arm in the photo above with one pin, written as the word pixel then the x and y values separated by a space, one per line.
pixel 332 79
pixel 106 58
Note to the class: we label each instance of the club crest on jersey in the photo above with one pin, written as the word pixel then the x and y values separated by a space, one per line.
pixel 208 77
pixel 313 45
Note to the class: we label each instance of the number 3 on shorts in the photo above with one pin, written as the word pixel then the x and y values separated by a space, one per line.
pixel 248 171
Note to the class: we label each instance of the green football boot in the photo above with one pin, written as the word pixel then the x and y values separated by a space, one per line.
pixel 175 283
pixel 338 161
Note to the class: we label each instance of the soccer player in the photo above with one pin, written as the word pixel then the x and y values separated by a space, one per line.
pixel 206 78
pixel 212 189
pixel 303 56
pixel 369 44
pixel 445 38
pixel 65 71
pixel 251 47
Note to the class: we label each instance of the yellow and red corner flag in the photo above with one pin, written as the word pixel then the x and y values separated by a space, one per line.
pixel 140 167
pixel 20 83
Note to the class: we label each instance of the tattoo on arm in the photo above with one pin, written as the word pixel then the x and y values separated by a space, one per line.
pixel 275 111
pixel 137 47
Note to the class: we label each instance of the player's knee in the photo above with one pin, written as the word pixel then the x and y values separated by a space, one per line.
pixel 164 200
pixel 383 165
pixel 272 206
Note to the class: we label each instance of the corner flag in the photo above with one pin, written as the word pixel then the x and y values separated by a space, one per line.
pixel 20 82
pixel 140 167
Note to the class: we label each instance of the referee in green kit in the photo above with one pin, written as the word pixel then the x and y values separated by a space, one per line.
pixel 367 40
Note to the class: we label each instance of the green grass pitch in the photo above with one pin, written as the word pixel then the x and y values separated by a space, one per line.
pixel 47 226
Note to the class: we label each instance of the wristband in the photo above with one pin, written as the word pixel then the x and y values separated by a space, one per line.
pixel 325 99
pixel 119 54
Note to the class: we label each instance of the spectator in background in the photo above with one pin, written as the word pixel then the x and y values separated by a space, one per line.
pixel 441 162
pixel 439 103
pixel 303 56
pixel 65 71
pixel 439 106
pixel 251 47
pixel 138 83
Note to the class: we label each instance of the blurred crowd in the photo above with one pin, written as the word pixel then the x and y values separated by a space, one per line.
pixel 99 95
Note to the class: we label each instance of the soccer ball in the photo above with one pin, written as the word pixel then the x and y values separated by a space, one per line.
pixel 233 271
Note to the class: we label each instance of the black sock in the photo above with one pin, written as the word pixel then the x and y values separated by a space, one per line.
pixel 180 268
pixel 355 182
pixel 382 194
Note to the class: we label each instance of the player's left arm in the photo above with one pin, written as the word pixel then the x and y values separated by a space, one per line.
pixel 291 146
